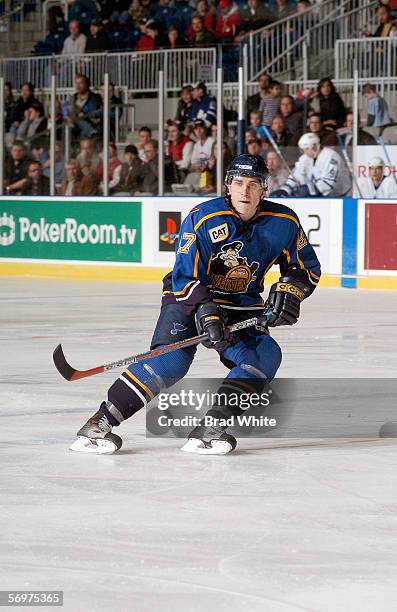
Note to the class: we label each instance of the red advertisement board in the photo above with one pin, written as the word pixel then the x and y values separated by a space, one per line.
pixel 381 236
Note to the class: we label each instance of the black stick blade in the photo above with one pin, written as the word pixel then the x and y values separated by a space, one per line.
pixel 61 364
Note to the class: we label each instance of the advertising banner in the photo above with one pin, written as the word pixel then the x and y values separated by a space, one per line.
pixel 70 229
pixel 380 250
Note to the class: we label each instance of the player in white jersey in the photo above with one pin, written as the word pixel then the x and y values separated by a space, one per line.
pixel 320 171
pixel 377 185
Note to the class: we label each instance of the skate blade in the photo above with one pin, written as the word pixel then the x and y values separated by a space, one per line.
pixel 218 447
pixel 100 446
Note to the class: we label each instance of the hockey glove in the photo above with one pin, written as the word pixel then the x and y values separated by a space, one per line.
pixel 284 301
pixel 208 321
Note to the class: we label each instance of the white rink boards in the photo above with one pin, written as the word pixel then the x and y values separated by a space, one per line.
pixel 276 526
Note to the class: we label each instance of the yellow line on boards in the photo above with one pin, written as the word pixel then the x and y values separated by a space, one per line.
pixel 97 273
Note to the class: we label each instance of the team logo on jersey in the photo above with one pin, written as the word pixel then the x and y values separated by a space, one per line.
pixel 230 272
pixel 177 327
pixel 219 233
pixel 302 240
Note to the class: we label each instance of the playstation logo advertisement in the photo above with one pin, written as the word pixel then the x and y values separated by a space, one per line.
pixel 169 223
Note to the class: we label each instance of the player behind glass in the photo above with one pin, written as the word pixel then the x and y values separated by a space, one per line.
pixel 225 247
pixel 320 171
pixel 377 185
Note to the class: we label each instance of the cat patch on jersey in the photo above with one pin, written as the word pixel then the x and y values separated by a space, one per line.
pixel 302 240
pixel 219 233
pixel 230 272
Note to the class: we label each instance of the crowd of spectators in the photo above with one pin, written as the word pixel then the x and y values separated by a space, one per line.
pixel 190 150
pixel 144 25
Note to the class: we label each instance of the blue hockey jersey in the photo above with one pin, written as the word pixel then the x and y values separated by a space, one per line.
pixel 221 258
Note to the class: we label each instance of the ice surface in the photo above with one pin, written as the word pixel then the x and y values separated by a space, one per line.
pixel 276 526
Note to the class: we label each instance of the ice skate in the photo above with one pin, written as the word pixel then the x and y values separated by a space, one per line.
pixel 96 437
pixel 209 440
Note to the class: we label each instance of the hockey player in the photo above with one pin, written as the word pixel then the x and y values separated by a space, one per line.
pixel 320 171
pixel 377 185
pixel 225 247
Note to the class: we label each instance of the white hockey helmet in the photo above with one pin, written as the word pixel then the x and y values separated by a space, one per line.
pixel 309 140
pixel 376 162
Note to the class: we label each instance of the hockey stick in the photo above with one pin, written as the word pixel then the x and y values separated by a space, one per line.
pixel 381 141
pixel 68 372
pixel 348 163
pixel 276 147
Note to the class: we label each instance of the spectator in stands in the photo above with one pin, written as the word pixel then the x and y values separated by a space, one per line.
pixel 211 166
pixel 36 184
pixel 203 107
pixel 250 134
pixel 284 9
pixel 279 132
pixel 315 126
pixel 144 136
pixel 9 105
pixel 254 101
pixel 254 147
pixel 150 168
pixel 256 124
pixel 346 133
pixel 332 108
pixel 85 103
pixel 303 5
pixel 270 103
pixel 39 152
pixel 59 165
pixel 202 151
pixel 16 168
pixel 200 36
pixel 22 104
pixel 76 41
pixel 88 160
pixel 34 124
pixel 254 16
pixel 148 40
pixel 113 163
pixel 116 109
pixel 184 106
pixel 207 13
pixel 179 149
pixel 385 20
pixel 278 173
pixel 229 139
pixel 175 38
pixel 129 174
pixel 228 21
pixel 378 110
pixel 97 40
pixel 75 183
pixel 293 118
